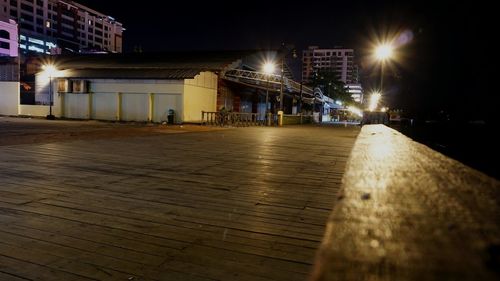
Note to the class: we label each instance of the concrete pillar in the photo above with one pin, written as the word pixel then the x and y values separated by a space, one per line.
pixel 90 106
pixel 119 106
pixel 280 118
pixel 151 107
pixel 63 102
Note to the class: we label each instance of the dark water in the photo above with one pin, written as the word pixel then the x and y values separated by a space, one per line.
pixel 474 144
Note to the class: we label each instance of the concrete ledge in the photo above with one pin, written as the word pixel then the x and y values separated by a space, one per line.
pixel 407 212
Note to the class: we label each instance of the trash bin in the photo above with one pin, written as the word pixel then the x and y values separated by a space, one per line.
pixel 170 117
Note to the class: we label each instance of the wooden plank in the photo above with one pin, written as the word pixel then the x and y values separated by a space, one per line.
pixel 11 276
pixel 228 205
pixel 32 266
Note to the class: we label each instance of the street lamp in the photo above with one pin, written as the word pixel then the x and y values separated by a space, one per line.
pixel 50 70
pixel 383 52
pixel 268 70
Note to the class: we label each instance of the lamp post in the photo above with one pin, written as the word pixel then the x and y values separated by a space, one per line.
pixel 281 81
pixel 268 70
pixel 287 49
pixel 50 70
pixel 383 52
pixel 300 101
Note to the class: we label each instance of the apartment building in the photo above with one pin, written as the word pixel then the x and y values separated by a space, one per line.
pixel 339 60
pixel 55 26
pixel 8 37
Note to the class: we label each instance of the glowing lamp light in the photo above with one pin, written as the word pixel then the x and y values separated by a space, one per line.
pixel 383 52
pixel 355 110
pixel 374 99
pixel 269 68
pixel 49 69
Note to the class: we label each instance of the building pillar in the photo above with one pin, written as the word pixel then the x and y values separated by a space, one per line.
pixel 151 107
pixel 62 100
pixel 119 106
pixel 90 106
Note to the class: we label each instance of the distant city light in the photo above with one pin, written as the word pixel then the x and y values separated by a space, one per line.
pixel 384 109
pixel 355 110
pixel 374 99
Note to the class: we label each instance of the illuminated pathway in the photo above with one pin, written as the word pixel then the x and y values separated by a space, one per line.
pixel 237 204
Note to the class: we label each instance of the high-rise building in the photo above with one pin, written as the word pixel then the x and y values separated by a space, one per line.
pixel 338 60
pixel 8 37
pixel 54 26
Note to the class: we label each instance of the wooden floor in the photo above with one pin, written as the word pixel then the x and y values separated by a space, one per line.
pixel 238 204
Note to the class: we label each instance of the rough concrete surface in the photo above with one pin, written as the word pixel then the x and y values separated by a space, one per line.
pixel 406 212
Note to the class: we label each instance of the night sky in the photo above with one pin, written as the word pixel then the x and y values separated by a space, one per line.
pixel 446 67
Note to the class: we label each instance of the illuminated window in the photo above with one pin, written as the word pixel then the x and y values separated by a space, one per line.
pixel 47 24
pixel 36 49
pixel 63 85
pixel 77 86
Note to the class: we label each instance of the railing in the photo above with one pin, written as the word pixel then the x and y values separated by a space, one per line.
pixel 297 119
pixel 237 119
pixel 9 71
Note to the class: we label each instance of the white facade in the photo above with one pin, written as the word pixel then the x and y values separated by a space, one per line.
pixel 338 60
pixel 63 25
pixel 8 38
pixel 356 91
pixel 128 99
pixel 9 98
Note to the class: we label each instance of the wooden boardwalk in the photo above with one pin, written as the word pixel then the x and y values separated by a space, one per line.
pixel 239 204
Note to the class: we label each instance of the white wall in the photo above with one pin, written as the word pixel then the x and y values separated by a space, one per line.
pixel 122 99
pixel 135 107
pixel 76 106
pixel 163 103
pixel 200 94
pixel 9 98
pixel 34 110
pixel 42 86
pixel 134 100
pixel 104 106
pixel 135 86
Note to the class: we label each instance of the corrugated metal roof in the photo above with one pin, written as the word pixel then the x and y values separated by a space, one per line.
pixel 215 60
pixel 172 65
pixel 131 73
